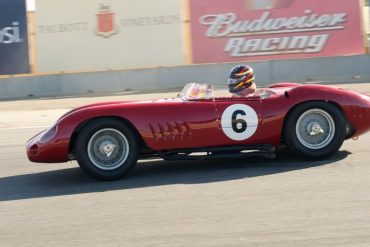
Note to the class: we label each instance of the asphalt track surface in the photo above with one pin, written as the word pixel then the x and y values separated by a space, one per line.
pixel 239 202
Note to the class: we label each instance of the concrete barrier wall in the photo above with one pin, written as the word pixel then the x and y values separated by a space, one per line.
pixel 322 70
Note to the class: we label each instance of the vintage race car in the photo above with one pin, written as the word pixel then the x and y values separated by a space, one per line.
pixel 108 138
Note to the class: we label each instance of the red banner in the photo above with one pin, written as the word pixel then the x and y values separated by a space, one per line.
pixel 249 30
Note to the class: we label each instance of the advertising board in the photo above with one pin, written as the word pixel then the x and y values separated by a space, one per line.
pixel 247 30
pixel 100 34
pixel 14 57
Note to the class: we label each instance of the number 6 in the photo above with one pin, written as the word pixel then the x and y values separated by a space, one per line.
pixel 239 122
pixel 238 125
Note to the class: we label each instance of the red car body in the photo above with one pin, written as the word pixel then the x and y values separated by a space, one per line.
pixel 171 124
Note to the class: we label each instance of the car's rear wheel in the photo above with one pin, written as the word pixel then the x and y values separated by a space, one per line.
pixel 315 130
pixel 106 149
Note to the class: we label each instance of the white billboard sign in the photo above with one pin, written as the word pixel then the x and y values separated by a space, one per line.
pixel 100 34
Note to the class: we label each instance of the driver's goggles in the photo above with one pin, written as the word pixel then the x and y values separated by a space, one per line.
pixel 236 81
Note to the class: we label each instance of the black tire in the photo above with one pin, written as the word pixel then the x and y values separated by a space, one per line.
pixel 299 142
pixel 106 149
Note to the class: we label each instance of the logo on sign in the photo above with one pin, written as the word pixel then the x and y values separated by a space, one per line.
pixel 105 22
pixel 9 35
pixel 297 34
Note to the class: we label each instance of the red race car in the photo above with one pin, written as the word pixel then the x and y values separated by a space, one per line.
pixel 108 138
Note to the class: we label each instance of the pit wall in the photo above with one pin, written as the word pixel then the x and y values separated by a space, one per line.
pixel 313 70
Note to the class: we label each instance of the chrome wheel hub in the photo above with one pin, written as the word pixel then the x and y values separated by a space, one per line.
pixel 315 129
pixel 107 148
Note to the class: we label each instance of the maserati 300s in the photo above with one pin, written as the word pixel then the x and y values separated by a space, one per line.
pixel 108 138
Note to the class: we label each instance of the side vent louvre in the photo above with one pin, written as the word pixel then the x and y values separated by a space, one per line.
pixel 170 131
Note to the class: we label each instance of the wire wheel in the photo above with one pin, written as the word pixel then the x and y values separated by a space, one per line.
pixel 315 129
pixel 108 149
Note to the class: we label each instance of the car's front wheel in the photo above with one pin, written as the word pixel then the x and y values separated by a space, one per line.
pixel 106 149
pixel 315 130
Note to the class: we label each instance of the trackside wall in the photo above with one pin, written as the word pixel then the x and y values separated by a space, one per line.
pixel 330 69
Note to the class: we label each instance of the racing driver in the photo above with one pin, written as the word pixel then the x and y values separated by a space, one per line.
pixel 241 81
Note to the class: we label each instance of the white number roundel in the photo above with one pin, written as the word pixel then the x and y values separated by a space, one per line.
pixel 239 122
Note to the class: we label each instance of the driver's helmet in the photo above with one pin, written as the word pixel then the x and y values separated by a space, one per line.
pixel 241 77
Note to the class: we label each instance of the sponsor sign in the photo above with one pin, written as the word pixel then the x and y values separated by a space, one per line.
pixel 101 34
pixel 367 20
pixel 13 38
pixel 247 30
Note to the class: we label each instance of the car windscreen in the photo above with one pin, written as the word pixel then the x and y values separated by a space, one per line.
pixel 196 91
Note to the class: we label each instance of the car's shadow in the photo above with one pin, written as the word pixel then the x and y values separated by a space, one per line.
pixel 154 173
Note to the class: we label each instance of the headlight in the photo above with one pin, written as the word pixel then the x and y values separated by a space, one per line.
pixel 49 134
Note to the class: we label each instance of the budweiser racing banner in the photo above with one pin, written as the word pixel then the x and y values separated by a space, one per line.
pixel 246 30
pixel 13 38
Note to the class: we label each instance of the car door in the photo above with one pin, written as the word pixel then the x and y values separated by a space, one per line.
pixel 176 124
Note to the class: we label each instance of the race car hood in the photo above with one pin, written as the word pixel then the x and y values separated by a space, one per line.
pixel 93 105
pixel 120 102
